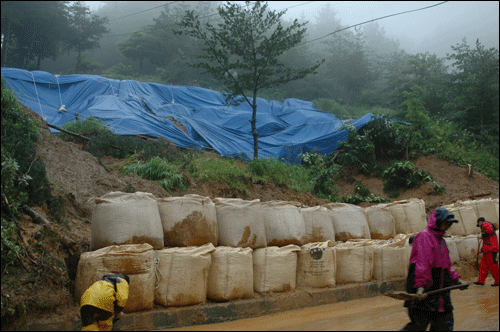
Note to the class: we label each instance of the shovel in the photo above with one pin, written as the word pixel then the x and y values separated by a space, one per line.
pixel 406 296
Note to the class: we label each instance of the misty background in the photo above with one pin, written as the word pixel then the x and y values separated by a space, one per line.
pixel 431 30
pixel 445 56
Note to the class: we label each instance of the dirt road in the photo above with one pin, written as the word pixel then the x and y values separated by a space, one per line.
pixel 476 309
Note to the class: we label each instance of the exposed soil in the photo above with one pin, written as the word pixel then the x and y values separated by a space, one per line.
pixel 78 177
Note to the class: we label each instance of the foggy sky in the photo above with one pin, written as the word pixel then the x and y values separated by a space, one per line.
pixel 431 30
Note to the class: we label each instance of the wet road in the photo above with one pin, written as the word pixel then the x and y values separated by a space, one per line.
pixel 476 309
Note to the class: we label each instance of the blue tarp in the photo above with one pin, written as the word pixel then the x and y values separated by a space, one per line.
pixel 285 129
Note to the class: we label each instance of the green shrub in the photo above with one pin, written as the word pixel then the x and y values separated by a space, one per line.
pixel 330 106
pixel 363 195
pixel 403 175
pixel 214 169
pixel 389 142
pixel 87 127
pixel 168 175
pixel 357 151
pixel 276 171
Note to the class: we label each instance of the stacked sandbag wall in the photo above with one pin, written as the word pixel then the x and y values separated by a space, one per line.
pixel 122 218
pixel 189 220
pixel 240 223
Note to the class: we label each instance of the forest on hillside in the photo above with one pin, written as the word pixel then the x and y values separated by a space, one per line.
pixel 364 70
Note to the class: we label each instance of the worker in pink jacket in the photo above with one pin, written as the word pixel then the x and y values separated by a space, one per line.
pixel 430 269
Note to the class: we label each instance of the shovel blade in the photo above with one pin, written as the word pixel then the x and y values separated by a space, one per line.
pixel 404 296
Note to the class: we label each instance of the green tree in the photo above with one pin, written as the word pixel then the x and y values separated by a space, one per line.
pixel 475 86
pixel 32 30
pixel 243 51
pixel 425 70
pixel 135 46
pixel 85 30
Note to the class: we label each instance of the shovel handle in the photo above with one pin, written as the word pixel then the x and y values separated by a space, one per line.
pixel 459 286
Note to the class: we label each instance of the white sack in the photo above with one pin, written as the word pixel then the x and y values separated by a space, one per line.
pixel 316 265
pixel 275 269
pixel 467 247
pixel 189 220
pixel 389 262
pixel 318 224
pixel 231 274
pixel 409 215
pixel 183 273
pixel 240 223
pixel 486 208
pixel 354 263
pixel 122 218
pixel 467 219
pixel 380 221
pixel 453 249
pixel 349 221
pixel 284 223
pixel 135 260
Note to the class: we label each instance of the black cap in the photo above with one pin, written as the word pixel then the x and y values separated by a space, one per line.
pixel 443 214
pixel 481 219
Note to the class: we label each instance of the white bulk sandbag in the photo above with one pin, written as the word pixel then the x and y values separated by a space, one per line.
pixel 188 220
pixel 122 218
pixel 467 247
pixel 495 201
pixel 486 208
pixel 240 223
pixel 318 224
pixel 389 261
pixel 467 219
pixel 183 274
pixel 380 221
pixel 275 268
pixel 453 249
pixel 231 274
pixel 135 260
pixel 349 221
pixel 284 223
pixel 316 265
pixel 409 215
pixel 354 262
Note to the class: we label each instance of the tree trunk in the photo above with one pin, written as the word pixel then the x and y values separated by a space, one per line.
pixel 39 60
pixel 6 40
pixel 254 127
pixel 78 60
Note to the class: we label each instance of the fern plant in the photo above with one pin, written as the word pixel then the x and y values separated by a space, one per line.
pixel 168 175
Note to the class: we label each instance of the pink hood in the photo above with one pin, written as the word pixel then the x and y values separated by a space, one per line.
pixel 430 251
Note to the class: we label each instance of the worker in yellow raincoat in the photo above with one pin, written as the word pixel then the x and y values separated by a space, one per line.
pixel 105 298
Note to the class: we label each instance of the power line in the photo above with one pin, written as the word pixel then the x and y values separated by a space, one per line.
pixel 144 11
pixel 376 19
pixel 203 17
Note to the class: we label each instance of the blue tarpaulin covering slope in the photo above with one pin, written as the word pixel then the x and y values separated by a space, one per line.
pixel 285 129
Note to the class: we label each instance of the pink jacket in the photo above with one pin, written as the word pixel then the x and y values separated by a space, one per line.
pixel 430 267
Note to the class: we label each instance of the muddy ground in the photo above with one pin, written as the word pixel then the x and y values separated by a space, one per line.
pixel 45 283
